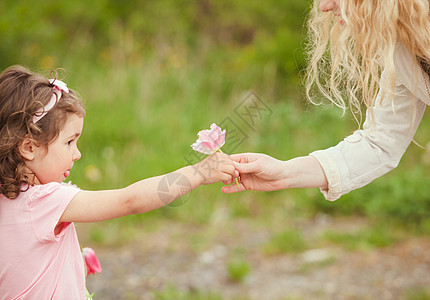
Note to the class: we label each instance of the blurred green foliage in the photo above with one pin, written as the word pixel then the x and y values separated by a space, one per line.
pixel 154 73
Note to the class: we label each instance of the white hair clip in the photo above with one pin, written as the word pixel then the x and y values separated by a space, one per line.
pixel 59 88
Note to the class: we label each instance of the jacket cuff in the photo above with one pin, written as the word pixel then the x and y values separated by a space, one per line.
pixel 331 171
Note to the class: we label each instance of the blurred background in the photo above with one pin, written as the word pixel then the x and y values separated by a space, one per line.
pixel 154 73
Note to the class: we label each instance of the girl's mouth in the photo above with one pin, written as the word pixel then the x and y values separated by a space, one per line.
pixel 67 173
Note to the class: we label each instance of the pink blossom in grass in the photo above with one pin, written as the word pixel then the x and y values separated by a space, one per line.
pixel 91 260
pixel 210 140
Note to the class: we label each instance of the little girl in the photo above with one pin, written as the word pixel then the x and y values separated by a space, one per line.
pixel 41 121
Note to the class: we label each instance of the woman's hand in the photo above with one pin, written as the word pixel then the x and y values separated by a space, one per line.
pixel 260 172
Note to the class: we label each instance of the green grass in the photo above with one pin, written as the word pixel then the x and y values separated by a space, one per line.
pixel 364 239
pixel 416 294
pixel 172 292
pixel 288 241
pixel 238 269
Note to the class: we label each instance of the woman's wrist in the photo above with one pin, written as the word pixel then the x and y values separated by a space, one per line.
pixel 287 175
pixel 303 172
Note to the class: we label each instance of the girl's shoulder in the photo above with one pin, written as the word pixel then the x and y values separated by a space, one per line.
pixel 49 189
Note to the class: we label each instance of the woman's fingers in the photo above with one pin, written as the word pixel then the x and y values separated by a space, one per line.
pixel 234 188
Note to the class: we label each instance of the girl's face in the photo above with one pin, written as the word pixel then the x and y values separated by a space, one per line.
pixel 54 164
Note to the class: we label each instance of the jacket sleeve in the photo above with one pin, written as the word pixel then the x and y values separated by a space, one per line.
pixel 377 148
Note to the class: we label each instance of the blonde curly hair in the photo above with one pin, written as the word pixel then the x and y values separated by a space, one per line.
pixel 345 61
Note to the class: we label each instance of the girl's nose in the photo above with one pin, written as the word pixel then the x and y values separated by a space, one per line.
pixel 327 5
pixel 77 155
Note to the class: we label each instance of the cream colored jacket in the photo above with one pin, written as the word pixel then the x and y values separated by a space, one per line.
pixel 371 152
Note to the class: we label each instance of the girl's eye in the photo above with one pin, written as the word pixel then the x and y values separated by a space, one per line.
pixel 69 142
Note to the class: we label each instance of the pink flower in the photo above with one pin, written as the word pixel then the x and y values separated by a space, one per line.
pixel 209 141
pixel 91 260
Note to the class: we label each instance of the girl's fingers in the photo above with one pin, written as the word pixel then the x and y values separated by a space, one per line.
pixel 229 181
pixel 226 177
pixel 229 169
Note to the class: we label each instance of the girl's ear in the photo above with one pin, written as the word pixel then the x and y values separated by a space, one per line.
pixel 27 148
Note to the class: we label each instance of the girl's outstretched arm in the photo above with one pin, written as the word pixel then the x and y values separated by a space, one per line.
pixel 148 194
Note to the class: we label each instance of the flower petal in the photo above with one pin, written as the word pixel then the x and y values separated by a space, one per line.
pixel 210 141
pixel 91 260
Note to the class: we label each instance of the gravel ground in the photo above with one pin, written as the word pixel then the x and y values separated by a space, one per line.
pixel 151 262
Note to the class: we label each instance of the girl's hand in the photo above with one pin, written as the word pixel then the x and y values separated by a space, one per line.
pixel 216 167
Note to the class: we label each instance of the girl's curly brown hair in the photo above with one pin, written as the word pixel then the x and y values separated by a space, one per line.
pixel 22 94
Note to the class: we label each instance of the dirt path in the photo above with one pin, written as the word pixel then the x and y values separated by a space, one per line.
pixel 166 259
